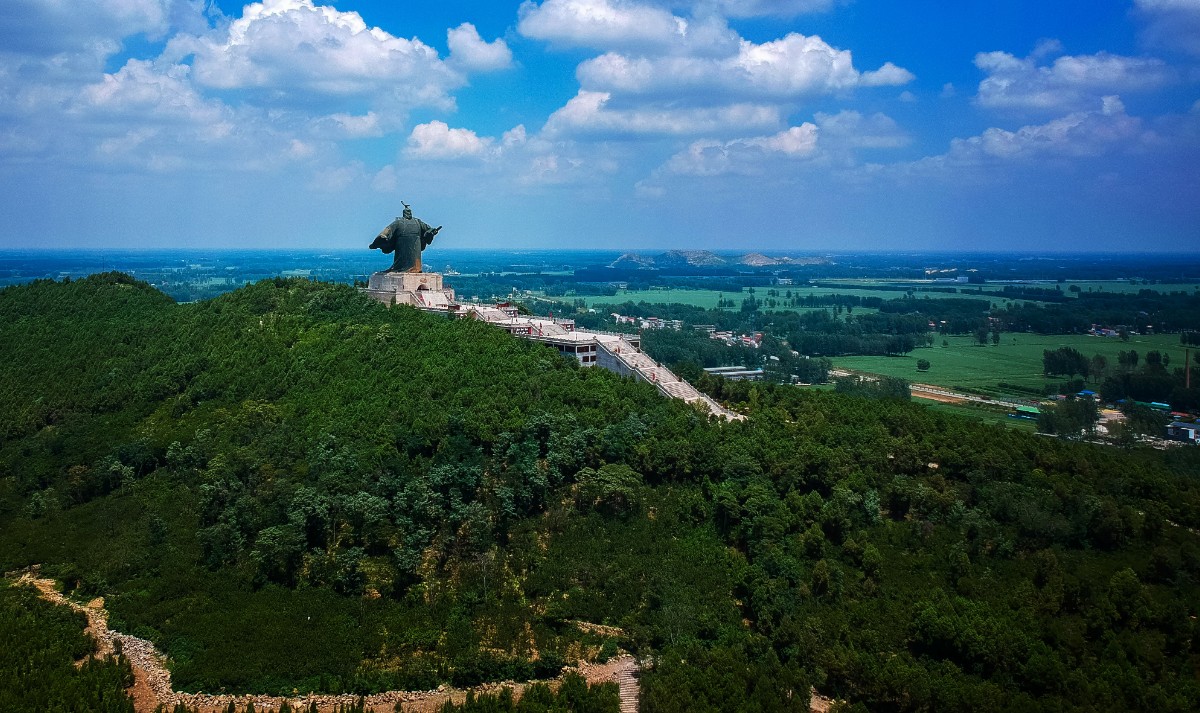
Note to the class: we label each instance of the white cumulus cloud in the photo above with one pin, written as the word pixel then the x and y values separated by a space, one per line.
pixel 140 90
pixel 1171 24
pixel 789 67
pixel 49 49
pixel 663 74
pixel 599 23
pixel 469 51
pixel 436 140
pixel 590 113
pixel 294 48
pixel 354 126
pixel 54 26
pixel 1076 135
pixel 1068 83
pixel 152 116
pixel 889 75
pixel 514 136
pixel 743 156
pixel 851 129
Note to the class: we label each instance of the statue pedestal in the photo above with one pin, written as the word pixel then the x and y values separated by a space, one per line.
pixel 423 290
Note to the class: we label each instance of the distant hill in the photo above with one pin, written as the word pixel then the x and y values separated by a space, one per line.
pixel 760 260
pixel 633 261
pixel 705 258
pixel 690 258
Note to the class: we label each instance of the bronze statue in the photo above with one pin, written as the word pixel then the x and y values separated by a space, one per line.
pixel 406 237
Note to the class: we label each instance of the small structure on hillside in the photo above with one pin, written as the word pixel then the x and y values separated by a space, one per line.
pixel 1186 432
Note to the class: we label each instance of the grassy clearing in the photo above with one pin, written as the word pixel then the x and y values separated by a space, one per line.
pixel 962 364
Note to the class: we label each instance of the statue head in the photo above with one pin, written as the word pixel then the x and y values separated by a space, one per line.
pixel 407 210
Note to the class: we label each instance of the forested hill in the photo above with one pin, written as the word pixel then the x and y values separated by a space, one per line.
pixel 292 487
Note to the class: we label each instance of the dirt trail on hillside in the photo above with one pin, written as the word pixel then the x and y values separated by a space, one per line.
pixel 152 680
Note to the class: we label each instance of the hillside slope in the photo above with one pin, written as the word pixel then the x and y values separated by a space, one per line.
pixel 292 487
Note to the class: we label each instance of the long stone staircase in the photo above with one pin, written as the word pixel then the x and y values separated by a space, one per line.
pixel 646 369
pixel 627 685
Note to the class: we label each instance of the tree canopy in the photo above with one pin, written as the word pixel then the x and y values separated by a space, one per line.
pixel 292 487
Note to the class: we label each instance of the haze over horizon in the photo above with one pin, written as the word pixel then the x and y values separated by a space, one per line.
pixel 792 126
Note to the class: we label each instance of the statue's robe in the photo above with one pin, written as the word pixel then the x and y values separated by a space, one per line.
pixel 406 238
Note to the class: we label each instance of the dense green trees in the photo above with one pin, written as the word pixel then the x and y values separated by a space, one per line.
pixel 883 387
pixel 1162 312
pixel 1064 361
pixel 747 678
pixel 1072 418
pixel 40 644
pixel 290 487
pixel 1152 381
pixel 574 695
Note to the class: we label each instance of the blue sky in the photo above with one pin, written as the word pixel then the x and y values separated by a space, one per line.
pixel 799 126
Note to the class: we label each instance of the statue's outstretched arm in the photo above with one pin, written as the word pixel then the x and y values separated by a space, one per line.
pixel 427 234
pixel 383 241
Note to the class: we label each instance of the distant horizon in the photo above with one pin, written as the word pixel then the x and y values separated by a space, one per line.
pixel 432 251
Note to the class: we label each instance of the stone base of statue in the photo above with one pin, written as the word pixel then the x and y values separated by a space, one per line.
pixel 422 290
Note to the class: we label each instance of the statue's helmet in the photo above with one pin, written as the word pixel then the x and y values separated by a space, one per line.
pixel 407 210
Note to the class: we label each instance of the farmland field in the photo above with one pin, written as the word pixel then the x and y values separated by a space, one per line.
pixel 708 298
pixel 867 288
pixel 963 364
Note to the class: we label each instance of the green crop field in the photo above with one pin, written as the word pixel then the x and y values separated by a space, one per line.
pixel 863 288
pixel 697 298
pixel 708 299
pixel 963 364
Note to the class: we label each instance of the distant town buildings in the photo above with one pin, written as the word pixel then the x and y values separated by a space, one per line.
pixel 648 322
pixel 1097 330
pixel 754 341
